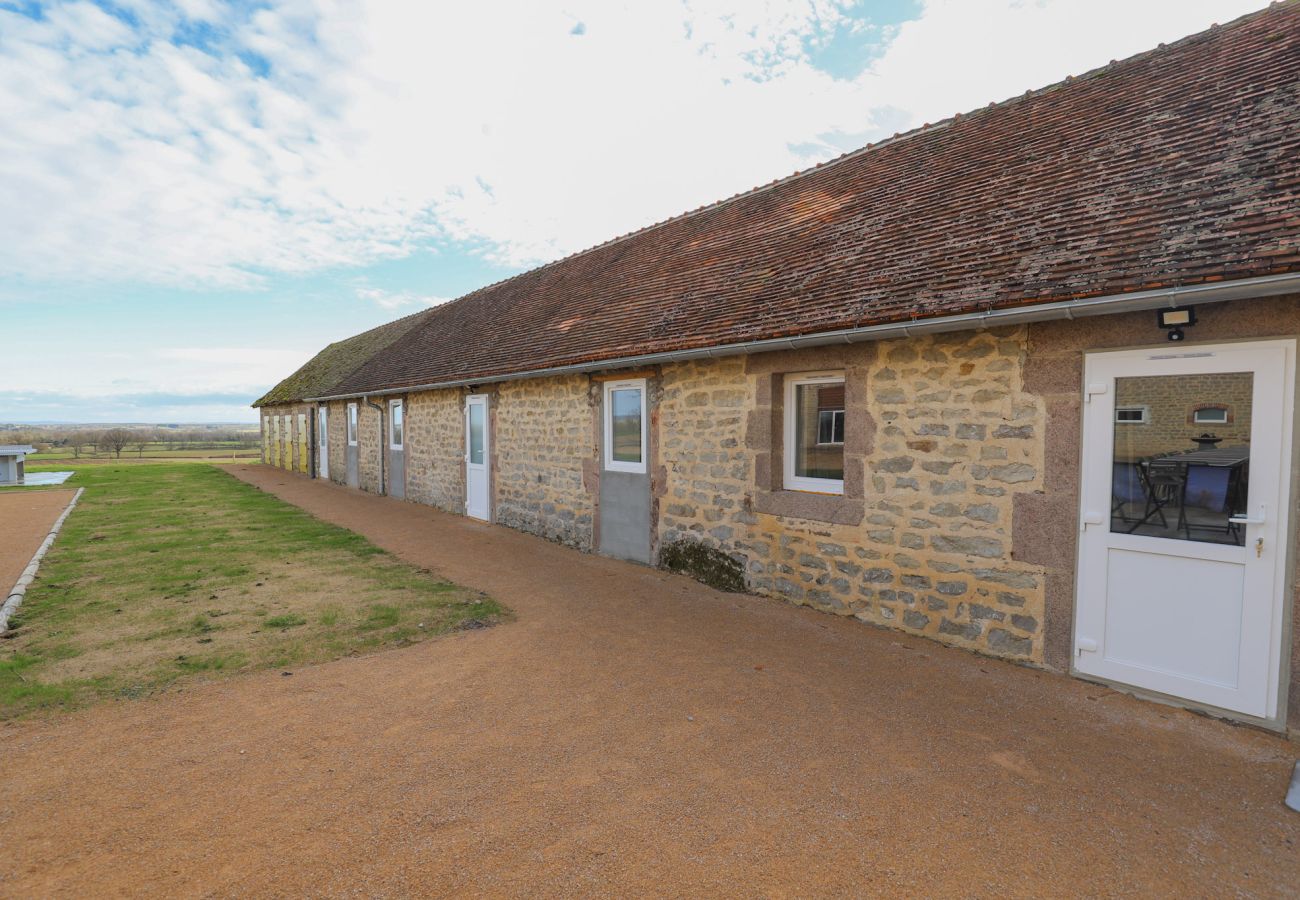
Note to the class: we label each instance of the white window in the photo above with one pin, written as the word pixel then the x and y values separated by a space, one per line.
pixel 323 429
pixel 625 425
pixel 1132 415
pixel 395 424
pixel 1211 415
pixel 352 424
pixel 814 433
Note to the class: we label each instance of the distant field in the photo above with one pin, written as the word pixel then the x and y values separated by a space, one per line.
pixel 215 450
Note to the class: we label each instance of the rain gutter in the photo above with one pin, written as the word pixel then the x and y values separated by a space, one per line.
pixel 1246 288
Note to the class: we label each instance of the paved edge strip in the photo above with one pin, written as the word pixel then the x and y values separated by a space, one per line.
pixel 15 598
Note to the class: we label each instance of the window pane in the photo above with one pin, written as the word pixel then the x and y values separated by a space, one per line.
pixel 397 423
pixel 476 411
pixel 1174 475
pixel 819 413
pixel 625 425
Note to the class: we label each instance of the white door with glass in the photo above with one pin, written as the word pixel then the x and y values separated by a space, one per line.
pixel 476 458
pixel 1185 494
pixel 323 441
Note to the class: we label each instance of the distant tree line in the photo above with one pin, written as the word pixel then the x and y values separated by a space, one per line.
pixel 85 440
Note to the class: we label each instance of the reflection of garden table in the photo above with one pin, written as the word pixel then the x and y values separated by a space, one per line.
pixel 1219 457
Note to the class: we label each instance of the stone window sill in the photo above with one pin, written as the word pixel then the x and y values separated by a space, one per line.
pixel 831 508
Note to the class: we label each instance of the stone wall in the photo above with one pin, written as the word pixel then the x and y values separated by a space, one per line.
pixel 543 439
pixel 435 449
pixel 940 440
pixel 338 436
pixel 369 446
pixel 959 515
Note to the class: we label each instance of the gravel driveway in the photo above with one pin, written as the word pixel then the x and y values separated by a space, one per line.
pixel 26 517
pixel 636 733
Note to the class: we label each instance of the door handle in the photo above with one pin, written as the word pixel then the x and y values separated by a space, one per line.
pixel 1247 520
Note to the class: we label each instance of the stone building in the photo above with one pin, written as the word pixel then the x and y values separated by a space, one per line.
pixel 927 385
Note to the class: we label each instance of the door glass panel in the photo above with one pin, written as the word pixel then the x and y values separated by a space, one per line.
pixel 1181 460
pixel 625 427
pixel 476 420
pixel 819 430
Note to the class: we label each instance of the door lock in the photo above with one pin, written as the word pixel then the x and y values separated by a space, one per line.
pixel 1259 547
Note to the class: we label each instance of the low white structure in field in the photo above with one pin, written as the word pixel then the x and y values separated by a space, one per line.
pixel 11 462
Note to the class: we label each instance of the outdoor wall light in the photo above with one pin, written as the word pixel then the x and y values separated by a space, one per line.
pixel 1175 320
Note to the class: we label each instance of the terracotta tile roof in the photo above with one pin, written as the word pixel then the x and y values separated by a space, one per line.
pixel 323 372
pixel 1175 167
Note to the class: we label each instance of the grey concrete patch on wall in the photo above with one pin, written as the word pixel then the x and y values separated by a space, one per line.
pixel 625 515
pixel 354 468
pixel 397 473
pixel 19 591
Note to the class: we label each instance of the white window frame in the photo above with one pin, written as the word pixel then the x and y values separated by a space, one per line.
pixel 611 464
pixel 1197 420
pixel 793 482
pixel 1144 410
pixel 396 444
pixel 353 424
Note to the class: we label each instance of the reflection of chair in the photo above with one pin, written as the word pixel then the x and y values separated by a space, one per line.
pixel 1208 488
pixel 1162 483
pixel 1125 488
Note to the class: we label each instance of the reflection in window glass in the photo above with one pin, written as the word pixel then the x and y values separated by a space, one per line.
pixel 625 425
pixel 477 411
pixel 395 423
pixel 1211 415
pixel 476 414
pixel 352 423
pixel 819 430
pixel 1177 474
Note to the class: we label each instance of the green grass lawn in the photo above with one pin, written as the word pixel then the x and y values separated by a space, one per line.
pixel 170 572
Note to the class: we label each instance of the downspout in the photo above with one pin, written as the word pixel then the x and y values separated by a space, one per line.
pixel 382 449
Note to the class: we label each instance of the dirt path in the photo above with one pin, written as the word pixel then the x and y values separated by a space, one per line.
pixel 635 733
pixel 26 517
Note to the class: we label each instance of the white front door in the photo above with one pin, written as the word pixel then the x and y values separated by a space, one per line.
pixel 323 441
pixel 1186 482
pixel 477 456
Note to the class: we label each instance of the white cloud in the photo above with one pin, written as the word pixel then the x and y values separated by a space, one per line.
pixel 107 372
pixel 323 133
pixel 395 300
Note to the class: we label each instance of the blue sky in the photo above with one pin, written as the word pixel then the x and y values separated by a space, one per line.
pixel 197 195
